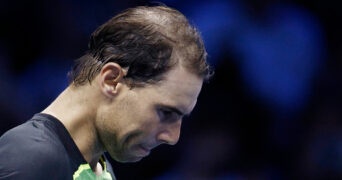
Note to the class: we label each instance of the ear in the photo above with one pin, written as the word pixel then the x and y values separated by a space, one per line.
pixel 111 74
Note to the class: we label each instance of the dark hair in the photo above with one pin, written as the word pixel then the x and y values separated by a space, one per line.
pixel 148 41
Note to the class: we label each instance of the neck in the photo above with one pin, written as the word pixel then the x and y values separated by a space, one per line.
pixel 77 113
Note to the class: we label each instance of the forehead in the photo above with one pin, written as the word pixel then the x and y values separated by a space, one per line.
pixel 179 88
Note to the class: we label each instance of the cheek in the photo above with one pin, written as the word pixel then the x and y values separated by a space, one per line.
pixel 107 130
pixel 145 129
pixel 130 115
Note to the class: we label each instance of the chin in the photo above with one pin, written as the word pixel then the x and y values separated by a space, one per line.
pixel 128 159
pixel 136 159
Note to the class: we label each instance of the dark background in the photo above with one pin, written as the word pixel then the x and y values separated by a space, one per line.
pixel 272 110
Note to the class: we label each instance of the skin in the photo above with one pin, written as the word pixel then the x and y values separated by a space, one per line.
pixel 108 115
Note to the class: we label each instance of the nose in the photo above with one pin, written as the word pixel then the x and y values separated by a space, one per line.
pixel 170 133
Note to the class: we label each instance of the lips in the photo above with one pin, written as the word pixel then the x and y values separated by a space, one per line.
pixel 143 151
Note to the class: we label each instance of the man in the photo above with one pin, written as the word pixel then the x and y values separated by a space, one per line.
pixel 128 94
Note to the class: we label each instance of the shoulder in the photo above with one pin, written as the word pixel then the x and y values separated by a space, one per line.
pixel 28 151
pixel 31 137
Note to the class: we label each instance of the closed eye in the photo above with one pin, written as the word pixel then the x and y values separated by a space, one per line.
pixel 169 114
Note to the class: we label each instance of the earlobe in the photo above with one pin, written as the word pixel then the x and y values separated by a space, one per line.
pixel 110 89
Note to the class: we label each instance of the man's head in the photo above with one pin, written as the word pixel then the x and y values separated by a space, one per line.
pixel 147 41
pixel 146 67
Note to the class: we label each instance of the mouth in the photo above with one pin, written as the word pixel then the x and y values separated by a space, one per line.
pixel 143 151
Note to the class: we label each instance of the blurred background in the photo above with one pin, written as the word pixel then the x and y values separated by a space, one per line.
pixel 272 110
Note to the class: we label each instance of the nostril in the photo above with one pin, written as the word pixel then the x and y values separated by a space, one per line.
pixel 163 142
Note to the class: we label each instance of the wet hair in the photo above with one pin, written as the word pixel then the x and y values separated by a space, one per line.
pixel 148 41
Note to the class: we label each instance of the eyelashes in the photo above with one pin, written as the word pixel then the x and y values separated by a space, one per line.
pixel 167 115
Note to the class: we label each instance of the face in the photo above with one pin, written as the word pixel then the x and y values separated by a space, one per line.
pixel 139 119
